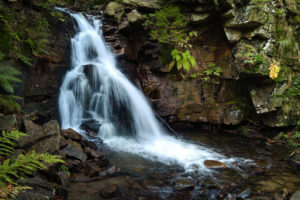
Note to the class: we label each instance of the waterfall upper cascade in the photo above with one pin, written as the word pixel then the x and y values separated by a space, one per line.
pixel 95 92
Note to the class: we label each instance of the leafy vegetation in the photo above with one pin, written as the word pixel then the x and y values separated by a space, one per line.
pixel 168 26
pixel 210 74
pixel 14 168
pixel 8 77
pixel 294 90
pixel 292 139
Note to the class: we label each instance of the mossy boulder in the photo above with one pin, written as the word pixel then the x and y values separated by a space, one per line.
pixel 250 16
pixel 134 16
pixel 149 4
pixel 115 10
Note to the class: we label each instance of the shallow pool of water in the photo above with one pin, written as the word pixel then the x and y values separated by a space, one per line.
pixel 257 170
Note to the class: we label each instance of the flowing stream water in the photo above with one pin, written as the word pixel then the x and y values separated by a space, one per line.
pixel 94 91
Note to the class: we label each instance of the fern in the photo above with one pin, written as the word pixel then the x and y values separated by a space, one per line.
pixel 7 79
pixel 12 169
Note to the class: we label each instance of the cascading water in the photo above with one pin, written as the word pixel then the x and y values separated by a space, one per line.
pixel 94 91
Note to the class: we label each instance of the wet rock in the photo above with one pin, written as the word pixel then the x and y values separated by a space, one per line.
pixel 85 143
pixel 184 184
pixel 64 178
pixel 214 164
pixel 62 142
pixel 295 195
pixel 71 134
pixel 7 122
pixel 75 151
pixel 102 161
pixel 91 168
pixel 70 163
pixel 245 194
pixel 109 191
pixel 41 139
pixel 114 170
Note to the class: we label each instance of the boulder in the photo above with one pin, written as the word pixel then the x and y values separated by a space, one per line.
pixel 149 4
pixel 74 150
pixel 250 16
pixel 233 35
pixel 41 189
pixel 134 16
pixel 64 178
pixel 115 10
pixel 295 195
pixel 41 138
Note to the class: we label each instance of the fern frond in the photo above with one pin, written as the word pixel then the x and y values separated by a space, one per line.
pixel 7 141
pixel 8 77
pixel 12 191
pixel 9 103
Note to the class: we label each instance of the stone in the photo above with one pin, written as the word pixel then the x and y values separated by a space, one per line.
pixel 184 184
pixel 75 152
pixel 115 9
pixel 233 35
pixel 41 189
pixel 214 164
pixel 295 157
pixel 295 195
pixel 64 178
pixel 71 134
pixel 149 4
pixel 109 191
pixel 7 122
pixel 102 161
pixel 134 16
pixel 245 194
pixel 41 139
pixel 91 168
pixel 199 18
pixel 250 16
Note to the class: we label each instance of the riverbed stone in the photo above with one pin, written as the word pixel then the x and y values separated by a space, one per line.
pixel 75 152
pixel 214 164
pixel 295 195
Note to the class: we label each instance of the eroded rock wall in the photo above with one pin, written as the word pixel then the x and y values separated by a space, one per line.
pixel 243 38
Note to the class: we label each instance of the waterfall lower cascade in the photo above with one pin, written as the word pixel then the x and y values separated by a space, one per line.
pixel 96 94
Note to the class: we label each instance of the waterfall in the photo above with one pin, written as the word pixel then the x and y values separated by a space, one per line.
pixel 95 92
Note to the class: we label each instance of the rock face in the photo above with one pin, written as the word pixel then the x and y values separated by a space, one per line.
pixel 243 38
pixel 41 82
pixel 41 138
pixel 240 37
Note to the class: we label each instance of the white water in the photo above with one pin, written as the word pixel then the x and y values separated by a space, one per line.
pixel 109 99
